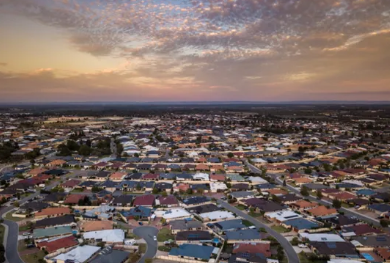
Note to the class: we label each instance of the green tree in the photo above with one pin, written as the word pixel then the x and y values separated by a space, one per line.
pixel 16 204
pixel 72 145
pixel 319 195
pixel 304 191
pixel 230 155
pixel 85 150
pixel 336 203
pixel 384 223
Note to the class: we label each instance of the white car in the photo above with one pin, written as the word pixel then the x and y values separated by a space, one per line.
pixel 155 238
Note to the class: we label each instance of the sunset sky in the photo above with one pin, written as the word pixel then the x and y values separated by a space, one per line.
pixel 194 50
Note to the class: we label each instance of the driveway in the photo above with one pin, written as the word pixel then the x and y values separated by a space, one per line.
pixel 147 233
pixel 289 250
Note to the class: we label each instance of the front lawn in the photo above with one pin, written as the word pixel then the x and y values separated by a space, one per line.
pixel 33 258
pixel 164 235
pixel 241 207
pixel 305 259
pixel 142 248
pixel 164 248
pixel 280 229
pixel 247 223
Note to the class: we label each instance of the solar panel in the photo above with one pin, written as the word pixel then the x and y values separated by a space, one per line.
pixel 380 239
pixel 331 245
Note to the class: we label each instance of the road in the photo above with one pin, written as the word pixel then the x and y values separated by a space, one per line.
pixel 147 233
pixel 323 202
pixel 288 249
pixel 11 247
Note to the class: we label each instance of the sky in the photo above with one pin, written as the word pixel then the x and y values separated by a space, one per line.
pixel 194 50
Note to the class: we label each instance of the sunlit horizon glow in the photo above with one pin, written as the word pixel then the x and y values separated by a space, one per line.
pixel 194 50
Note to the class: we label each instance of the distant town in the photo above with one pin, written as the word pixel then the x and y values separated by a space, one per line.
pixel 247 183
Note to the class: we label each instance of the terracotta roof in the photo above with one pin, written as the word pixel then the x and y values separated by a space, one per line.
pixel 168 200
pixel 96 225
pixel 144 200
pixel 37 171
pixel 302 180
pixel 384 253
pixel 57 244
pixel 53 211
pixel 253 248
pixel 71 183
pixel 322 211
pixel 304 204
pixel 73 198
pixel 117 175
pixel 217 177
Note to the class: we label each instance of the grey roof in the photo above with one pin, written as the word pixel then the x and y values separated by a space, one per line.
pixel 230 225
pixel 242 194
pixel 109 255
pixel 55 221
pixel 301 223
pixel 374 241
pixel 194 236
pixel 50 232
pixel 247 234
pixel 192 251
pixel 185 224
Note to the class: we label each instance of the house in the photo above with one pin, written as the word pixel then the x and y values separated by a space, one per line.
pixel 150 177
pixel 364 243
pixel 185 225
pixel 118 176
pixel 96 225
pixel 33 207
pixel 73 199
pixel 300 224
pixel 139 212
pixel 196 236
pixel 70 184
pixel 379 209
pixel 242 195
pixel 240 187
pixel 383 253
pixel 144 200
pixel 218 187
pixel 322 237
pixel 281 216
pixel 192 252
pixel 110 236
pixel 52 212
pixel 302 205
pixel 359 230
pixel 203 208
pixel 244 236
pixel 194 201
pixel 253 248
pixel 217 216
pixel 175 214
pixel 217 178
pixel 42 233
pixel 122 200
pixel 262 205
pixel 342 220
pixel 79 254
pixel 230 225
pixel 181 187
pixel 111 255
pixel 167 201
pixel 322 211
pixel 58 245
pixel 163 187
pixel 66 220
pixel 331 249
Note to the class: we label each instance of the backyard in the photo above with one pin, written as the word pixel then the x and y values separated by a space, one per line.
pixel 164 235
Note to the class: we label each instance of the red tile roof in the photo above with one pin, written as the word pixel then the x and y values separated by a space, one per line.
pixel 57 244
pixel 144 200
pixel 252 248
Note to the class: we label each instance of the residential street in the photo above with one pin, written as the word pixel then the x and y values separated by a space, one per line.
pixel 11 247
pixel 323 202
pixel 147 233
pixel 289 250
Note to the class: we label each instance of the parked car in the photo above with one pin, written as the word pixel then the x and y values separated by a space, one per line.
pixel 155 238
pixel 140 223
